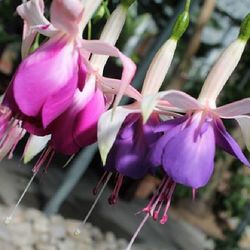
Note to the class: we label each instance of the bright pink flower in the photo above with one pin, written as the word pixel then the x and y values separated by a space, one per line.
pixel 46 81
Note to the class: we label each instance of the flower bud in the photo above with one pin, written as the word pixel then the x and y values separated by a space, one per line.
pixel 245 28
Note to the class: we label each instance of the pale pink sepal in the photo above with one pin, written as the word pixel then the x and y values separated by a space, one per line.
pixel 110 34
pixel 34 146
pixel 90 7
pixel 159 67
pixel 32 14
pixel 109 126
pixel 111 85
pixel 129 68
pixel 180 100
pixel 171 100
pixel 241 107
pixel 220 73
pixel 67 15
pixel 244 123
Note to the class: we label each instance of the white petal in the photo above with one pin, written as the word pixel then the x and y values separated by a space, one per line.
pixel 159 67
pixel 221 72
pixel 244 122
pixel 148 104
pixel 34 146
pixel 241 107
pixel 108 128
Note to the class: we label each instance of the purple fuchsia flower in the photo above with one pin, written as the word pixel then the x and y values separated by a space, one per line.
pixel 186 148
pixel 124 141
pixel 123 138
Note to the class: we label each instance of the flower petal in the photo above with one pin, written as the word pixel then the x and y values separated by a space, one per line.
pixel 244 122
pixel 85 130
pixel 227 143
pixel 65 128
pixel 190 161
pixel 110 35
pixel 90 8
pixel 241 107
pixel 99 47
pixel 43 74
pixel 66 15
pixel 114 84
pixel 108 128
pixel 172 100
pixel 171 129
pixel 180 100
pixel 221 72
pixel 34 146
pixel 159 68
pixel 32 13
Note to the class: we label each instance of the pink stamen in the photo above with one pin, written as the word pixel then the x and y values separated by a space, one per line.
pixel 162 195
pixel 194 193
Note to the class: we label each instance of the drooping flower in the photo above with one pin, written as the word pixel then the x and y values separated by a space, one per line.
pixel 46 80
pixel 187 146
pixel 76 126
pixel 186 149
pixel 124 141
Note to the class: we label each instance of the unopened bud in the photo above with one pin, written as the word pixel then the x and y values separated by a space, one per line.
pixel 245 28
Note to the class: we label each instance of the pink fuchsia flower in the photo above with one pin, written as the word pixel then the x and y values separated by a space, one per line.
pixel 76 127
pixel 46 80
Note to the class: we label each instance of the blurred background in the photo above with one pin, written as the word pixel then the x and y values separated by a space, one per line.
pixel 218 219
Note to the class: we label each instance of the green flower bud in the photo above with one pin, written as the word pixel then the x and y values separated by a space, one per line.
pixel 180 25
pixel 127 3
pixel 245 28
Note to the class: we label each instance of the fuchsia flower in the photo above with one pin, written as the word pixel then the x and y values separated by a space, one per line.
pixel 186 148
pixel 46 80
pixel 124 141
pixel 75 93
pixel 50 84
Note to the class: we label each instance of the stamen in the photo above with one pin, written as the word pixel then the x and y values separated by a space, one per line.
pixel 169 197
pixel 100 182
pixel 78 230
pixel 69 161
pixel 114 196
pixel 157 192
pixel 137 231
pixel 193 193
pixel 10 217
pixel 13 147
